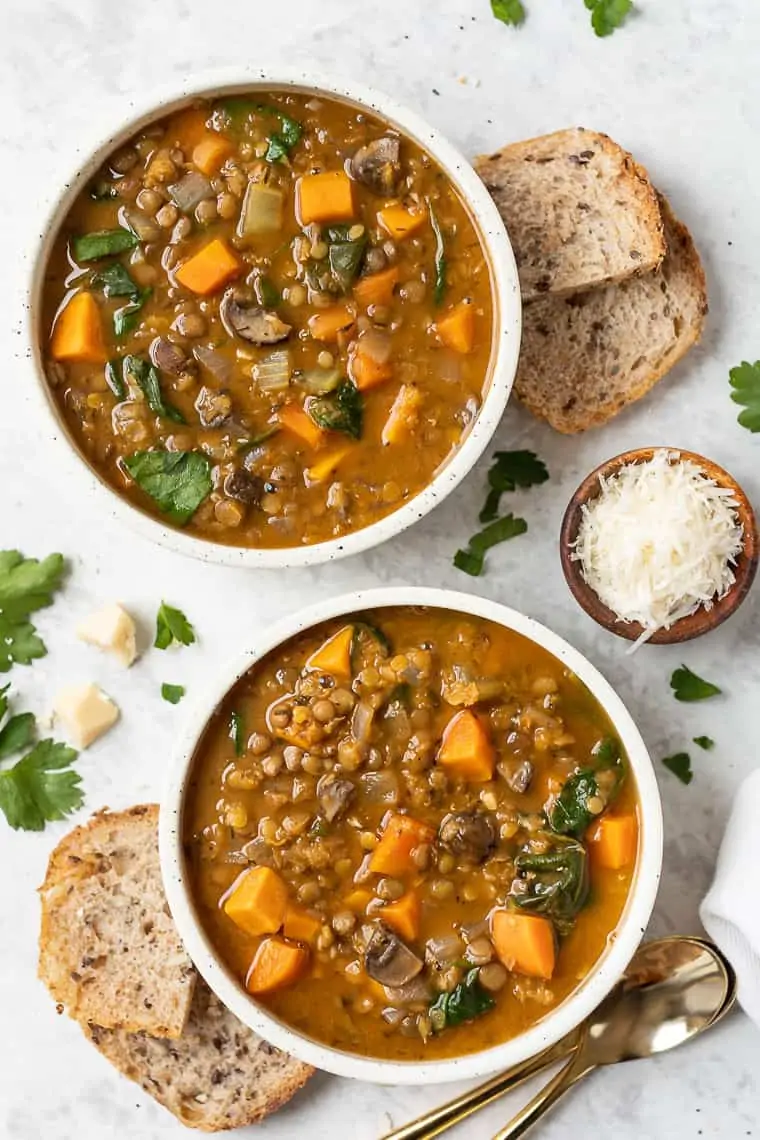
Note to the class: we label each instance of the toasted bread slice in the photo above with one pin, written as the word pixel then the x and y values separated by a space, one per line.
pixel 580 213
pixel 583 358
pixel 218 1075
pixel 109 950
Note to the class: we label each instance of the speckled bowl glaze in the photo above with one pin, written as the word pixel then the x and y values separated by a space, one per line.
pixel 506 326
pixel 607 971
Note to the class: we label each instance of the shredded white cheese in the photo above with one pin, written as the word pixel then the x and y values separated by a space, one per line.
pixel 659 541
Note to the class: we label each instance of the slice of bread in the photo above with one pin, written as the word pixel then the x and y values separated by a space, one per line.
pixel 109 950
pixel 583 358
pixel 219 1074
pixel 579 211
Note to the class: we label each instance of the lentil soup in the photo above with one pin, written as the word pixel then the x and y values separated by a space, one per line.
pixel 269 319
pixel 410 833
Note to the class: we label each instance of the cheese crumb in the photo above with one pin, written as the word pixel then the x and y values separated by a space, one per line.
pixel 112 630
pixel 659 541
pixel 86 713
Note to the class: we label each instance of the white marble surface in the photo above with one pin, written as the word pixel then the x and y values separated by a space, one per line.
pixel 679 86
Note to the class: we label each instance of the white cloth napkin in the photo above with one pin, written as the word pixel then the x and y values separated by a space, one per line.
pixel 730 912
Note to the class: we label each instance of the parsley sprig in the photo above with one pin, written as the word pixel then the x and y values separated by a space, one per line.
pixel 606 15
pixel 745 381
pixel 41 786
pixel 510 470
pixel 680 765
pixel 172 627
pixel 26 585
pixel 688 686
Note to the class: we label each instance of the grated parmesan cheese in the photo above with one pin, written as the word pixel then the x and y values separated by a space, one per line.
pixel 659 541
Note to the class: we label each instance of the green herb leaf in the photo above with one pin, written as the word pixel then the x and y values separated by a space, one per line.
pixel 680 766
pixel 17 733
pixel 244 445
pixel 745 381
pixel 607 15
pixel 510 470
pixel 115 281
pixel 267 294
pixel 146 375
pixel 344 255
pixel 341 410
pixel 177 481
pixel 40 787
pixel 606 752
pixel 102 243
pixel 471 561
pixel 172 693
pixel 705 742
pixel 439 288
pixel 569 814
pixel 237 732
pixel 508 11
pixel 125 318
pixel 466 1001
pixel 172 627
pixel 687 686
pixel 4 700
pixel 281 142
pixel 26 585
pixel 555 882
pixel 102 190
pixel 114 374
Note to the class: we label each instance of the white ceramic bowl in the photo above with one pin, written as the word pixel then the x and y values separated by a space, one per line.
pixel 556 1023
pixel 506 325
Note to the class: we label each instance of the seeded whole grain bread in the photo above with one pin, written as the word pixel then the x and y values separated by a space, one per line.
pixel 580 213
pixel 109 950
pixel 219 1075
pixel 584 358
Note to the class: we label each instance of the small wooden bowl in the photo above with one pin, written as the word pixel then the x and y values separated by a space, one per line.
pixel 703 620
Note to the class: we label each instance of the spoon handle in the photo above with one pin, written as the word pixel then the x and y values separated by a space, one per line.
pixel 447 1115
pixel 544 1100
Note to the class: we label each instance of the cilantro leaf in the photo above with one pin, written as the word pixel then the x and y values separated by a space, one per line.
pixel 172 693
pixel 172 626
pixel 40 787
pixel 508 11
pixel 146 375
pixel 237 732
pixel 607 15
pixel 705 742
pixel 471 561
pixel 26 585
pixel 745 381
pixel 680 766
pixel 687 686
pixel 510 470
pixel 177 481
pixel 17 733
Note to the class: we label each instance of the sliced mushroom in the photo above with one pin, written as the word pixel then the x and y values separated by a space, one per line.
pixel 388 961
pixel 334 796
pixel 244 487
pixel 168 357
pixel 468 833
pixel 213 408
pixel 520 777
pixel 378 165
pixel 242 316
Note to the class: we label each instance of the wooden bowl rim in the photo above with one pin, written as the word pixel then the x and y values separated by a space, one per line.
pixel 696 624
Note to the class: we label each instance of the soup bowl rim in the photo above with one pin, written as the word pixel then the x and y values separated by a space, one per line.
pixel 621 946
pixel 505 296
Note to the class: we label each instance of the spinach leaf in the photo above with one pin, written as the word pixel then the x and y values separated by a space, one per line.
pixel 102 243
pixel 341 410
pixel 115 378
pixel 237 732
pixel 115 281
pixel 345 255
pixel 569 814
pixel 606 752
pixel 555 882
pixel 466 1001
pixel 439 288
pixel 146 375
pixel 267 294
pixel 125 318
pixel 177 481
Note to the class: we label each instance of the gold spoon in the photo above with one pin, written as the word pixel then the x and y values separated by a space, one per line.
pixel 679 988
pixel 679 962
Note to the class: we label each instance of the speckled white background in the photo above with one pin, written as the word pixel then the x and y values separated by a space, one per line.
pixel 680 87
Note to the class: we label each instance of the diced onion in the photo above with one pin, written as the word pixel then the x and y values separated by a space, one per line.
pixel 272 374
pixel 262 210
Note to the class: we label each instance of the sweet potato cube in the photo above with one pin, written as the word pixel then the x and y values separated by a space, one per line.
pixel 325 467
pixel 328 324
pixel 209 269
pixel 334 657
pixel 257 901
pixel 457 328
pixel 404 915
pixel 525 943
pixel 298 421
pixel 300 925
pixel 466 748
pixel 277 964
pixel 613 840
pixel 404 414
pixel 401 835
pixel 78 332
pixel 377 289
pixel 210 152
pixel 366 372
pixel 327 197
pixel 400 223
